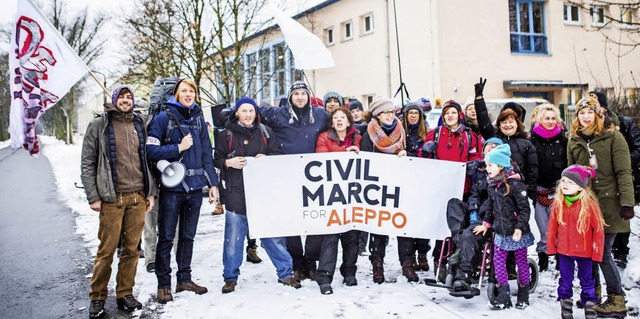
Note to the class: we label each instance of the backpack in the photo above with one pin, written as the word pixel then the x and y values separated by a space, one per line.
pixel 436 137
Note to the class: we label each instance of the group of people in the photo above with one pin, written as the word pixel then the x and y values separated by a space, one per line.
pixel 578 176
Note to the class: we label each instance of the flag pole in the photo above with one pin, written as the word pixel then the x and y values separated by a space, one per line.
pixel 93 75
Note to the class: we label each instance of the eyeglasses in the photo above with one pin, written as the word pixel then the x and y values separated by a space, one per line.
pixel 388 112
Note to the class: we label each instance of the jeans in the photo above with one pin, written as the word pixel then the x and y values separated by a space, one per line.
pixel 119 220
pixel 565 283
pixel 150 233
pixel 542 219
pixel 235 231
pixel 609 268
pixel 183 208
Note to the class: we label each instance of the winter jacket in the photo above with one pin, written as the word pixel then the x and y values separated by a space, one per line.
pixel 552 158
pixel 414 142
pixel 479 192
pixel 245 142
pixel 511 212
pixel 329 142
pixel 566 240
pixel 525 155
pixel 299 137
pixel 197 158
pixel 612 184
pixel 99 158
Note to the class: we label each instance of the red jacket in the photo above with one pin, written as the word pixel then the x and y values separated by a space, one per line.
pixel 567 241
pixel 328 141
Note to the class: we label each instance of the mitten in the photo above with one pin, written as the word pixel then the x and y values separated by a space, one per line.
pixel 626 212
pixel 429 148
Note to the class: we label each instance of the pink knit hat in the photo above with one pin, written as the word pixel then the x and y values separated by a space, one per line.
pixel 579 174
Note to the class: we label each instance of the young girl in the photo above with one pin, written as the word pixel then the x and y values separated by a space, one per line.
pixel 576 234
pixel 508 214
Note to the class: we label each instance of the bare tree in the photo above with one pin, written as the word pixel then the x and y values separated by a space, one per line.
pixel 5 96
pixel 621 15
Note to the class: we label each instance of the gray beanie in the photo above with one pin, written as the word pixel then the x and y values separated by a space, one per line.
pixel 332 94
pixel 379 105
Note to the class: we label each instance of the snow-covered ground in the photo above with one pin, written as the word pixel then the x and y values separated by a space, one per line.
pixel 259 295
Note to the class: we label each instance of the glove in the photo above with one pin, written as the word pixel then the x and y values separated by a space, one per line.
pixel 473 216
pixel 472 167
pixel 626 212
pixel 479 87
pixel 429 148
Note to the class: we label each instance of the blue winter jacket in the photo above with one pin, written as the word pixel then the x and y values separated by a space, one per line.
pixel 299 137
pixel 197 157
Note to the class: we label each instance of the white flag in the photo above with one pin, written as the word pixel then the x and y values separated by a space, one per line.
pixel 43 69
pixel 308 50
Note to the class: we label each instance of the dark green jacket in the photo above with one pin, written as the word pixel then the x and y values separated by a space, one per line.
pixel 613 183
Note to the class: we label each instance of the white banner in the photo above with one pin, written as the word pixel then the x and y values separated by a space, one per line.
pixel 327 193
pixel 43 69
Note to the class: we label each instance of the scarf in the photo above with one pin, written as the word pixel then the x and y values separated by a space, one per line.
pixel 571 199
pixel 390 144
pixel 349 139
pixel 545 133
pixel 500 178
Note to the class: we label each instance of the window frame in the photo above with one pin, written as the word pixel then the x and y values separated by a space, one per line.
pixel 345 30
pixel 567 10
pixel 330 36
pixel 363 24
pixel 632 17
pixel 530 37
pixel 595 14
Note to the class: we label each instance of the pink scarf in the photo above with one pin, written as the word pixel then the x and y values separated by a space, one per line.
pixel 540 130
pixel 392 144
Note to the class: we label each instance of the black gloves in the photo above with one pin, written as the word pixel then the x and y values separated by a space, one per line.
pixel 480 87
pixel 428 148
pixel 626 212
pixel 472 167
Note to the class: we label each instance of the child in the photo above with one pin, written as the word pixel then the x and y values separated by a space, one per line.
pixel 508 214
pixel 576 233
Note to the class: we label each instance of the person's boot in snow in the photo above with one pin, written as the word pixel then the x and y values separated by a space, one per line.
pixel 326 289
pixel 566 308
pixel 298 275
pixel 523 297
pixel 291 282
pixel 96 309
pixel 164 295
pixel 378 270
pixel 408 271
pixel 191 286
pixel 503 301
pixel 543 261
pixel 252 255
pixel 128 303
pixel 423 263
pixel 613 307
pixel 229 286
pixel 589 311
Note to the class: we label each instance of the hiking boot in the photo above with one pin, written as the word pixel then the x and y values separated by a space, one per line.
pixel 96 309
pixel 543 261
pixel 589 311
pixel 613 307
pixel 229 286
pixel 311 274
pixel 503 300
pixel 191 286
pixel 298 275
pixel 422 263
pixel 350 281
pixel 566 308
pixel 326 289
pixel 523 297
pixel 151 267
pixel 378 270
pixel 164 295
pixel 128 303
pixel 252 255
pixel 291 282
pixel 408 271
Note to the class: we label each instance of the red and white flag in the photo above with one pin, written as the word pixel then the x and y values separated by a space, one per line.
pixel 43 69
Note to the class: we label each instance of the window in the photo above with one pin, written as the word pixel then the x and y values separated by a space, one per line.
pixel 597 15
pixel 265 73
pixel 571 13
pixel 252 74
pixel 328 35
pixel 369 99
pixel 366 24
pixel 573 96
pixel 631 96
pixel 627 16
pixel 347 30
pixel 294 75
pixel 526 24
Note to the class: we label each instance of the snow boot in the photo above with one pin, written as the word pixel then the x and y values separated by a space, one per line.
pixel 613 307
pixel 164 295
pixel 423 263
pixel 503 300
pixel 566 308
pixel 523 297
pixel 408 271
pixel 252 255
pixel 589 312
pixel 96 309
pixel 128 303
pixel 291 282
pixel 191 286
pixel 378 270
pixel 326 289
pixel 543 261
pixel 229 286
pixel 350 281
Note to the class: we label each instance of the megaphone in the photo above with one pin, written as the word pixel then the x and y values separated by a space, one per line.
pixel 172 173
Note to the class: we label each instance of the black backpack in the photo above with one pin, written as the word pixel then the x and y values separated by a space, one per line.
pixel 161 91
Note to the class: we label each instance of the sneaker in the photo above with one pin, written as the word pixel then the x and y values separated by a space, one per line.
pixel 326 289
pixel 291 282
pixel 191 286
pixel 128 303
pixel 151 267
pixel 96 309
pixel 164 295
pixel 252 255
pixel 350 281
pixel 378 270
pixel 229 286
pixel 408 271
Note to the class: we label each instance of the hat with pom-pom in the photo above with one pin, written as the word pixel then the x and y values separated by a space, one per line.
pixel 579 174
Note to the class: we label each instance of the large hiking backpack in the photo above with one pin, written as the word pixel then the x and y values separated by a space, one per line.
pixel 161 91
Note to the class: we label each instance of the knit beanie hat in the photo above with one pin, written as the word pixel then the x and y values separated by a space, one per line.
pixel 579 174
pixel 454 104
pixel 355 104
pixel 243 101
pixel 332 94
pixel 588 102
pixel 118 90
pixel 299 85
pixel 501 156
pixel 380 104
pixel 466 104
pixel 601 97
pixel 520 111
pixel 412 106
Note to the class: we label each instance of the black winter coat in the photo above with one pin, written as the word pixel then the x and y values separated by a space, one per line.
pixel 552 158
pixel 524 154
pixel 414 142
pixel 246 142
pixel 479 191
pixel 506 213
